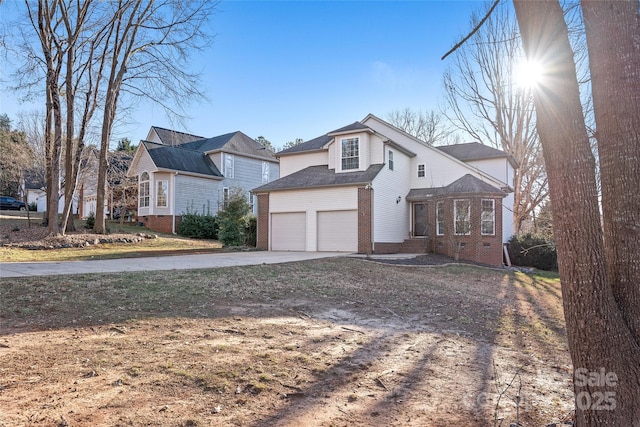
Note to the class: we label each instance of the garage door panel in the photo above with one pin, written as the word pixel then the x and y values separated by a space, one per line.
pixel 338 231
pixel 288 231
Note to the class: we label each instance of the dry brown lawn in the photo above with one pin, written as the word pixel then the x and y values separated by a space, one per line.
pixel 334 342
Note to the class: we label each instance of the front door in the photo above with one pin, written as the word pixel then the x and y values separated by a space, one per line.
pixel 420 223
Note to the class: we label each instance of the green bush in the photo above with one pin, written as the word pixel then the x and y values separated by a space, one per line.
pixel 233 219
pixel 532 250
pixel 91 220
pixel 198 226
pixel 33 206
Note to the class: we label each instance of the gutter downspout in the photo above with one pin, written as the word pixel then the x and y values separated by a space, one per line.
pixel 173 204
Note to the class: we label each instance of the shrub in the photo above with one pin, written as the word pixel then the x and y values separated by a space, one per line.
pixel 533 250
pixel 198 226
pixel 33 206
pixel 91 220
pixel 251 231
pixel 233 219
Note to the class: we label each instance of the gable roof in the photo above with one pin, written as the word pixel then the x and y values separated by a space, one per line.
pixel 174 137
pixel 319 142
pixel 475 151
pixel 311 145
pixel 321 176
pixel 182 159
pixel 467 185
pixel 234 142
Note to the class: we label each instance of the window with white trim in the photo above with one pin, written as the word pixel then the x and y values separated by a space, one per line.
pixel 225 197
pixel 350 154
pixel 420 171
pixel 440 218
pixel 162 194
pixel 143 191
pixel 265 172
pixel 462 217
pixel 228 165
pixel 488 217
pixel 390 160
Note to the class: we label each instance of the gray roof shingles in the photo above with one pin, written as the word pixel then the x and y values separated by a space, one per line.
pixel 321 176
pixel 474 151
pixel 182 159
pixel 468 184
pixel 174 137
pixel 319 142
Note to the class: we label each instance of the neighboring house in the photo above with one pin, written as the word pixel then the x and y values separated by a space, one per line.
pixel 86 194
pixel 370 187
pixel 179 173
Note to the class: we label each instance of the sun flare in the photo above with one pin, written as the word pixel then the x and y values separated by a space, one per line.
pixel 528 74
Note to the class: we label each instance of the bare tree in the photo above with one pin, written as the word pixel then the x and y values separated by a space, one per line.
pixel 428 126
pixel 146 47
pixel 597 251
pixel 45 19
pixel 485 102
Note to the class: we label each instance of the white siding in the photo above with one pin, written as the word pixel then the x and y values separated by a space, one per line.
pixel 376 149
pixel 440 169
pixel 391 219
pixel 153 195
pixel 507 218
pixel 296 162
pixel 311 201
pixel 364 150
pixel 498 168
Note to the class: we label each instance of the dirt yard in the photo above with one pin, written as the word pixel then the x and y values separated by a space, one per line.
pixel 336 342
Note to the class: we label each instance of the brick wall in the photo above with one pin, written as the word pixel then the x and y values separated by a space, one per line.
pixel 364 220
pixel 485 249
pixel 262 235
pixel 161 223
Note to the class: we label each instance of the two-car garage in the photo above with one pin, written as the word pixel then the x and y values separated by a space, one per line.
pixel 324 231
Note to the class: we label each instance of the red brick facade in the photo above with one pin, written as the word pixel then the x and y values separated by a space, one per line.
pixel 365 227
pixel 161 223
pixel 476 247
pixel 262 234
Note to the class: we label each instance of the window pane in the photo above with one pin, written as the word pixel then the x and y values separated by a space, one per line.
pixel 420 171
pixel 228 165
pixel 162 194
pixel 440 218
pixel 488 217
pixel 350 154
pixel 462 216
pixel 265 172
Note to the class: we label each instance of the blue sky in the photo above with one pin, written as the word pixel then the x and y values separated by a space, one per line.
pixel 299 69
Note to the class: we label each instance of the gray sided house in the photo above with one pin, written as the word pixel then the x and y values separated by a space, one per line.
pixel 180 173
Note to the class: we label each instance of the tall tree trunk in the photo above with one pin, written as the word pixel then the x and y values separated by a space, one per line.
pixel 70 170
pixel 601 343
pixel 613 37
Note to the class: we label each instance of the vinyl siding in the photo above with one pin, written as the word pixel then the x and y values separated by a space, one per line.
pixel 391 219
pixel 311 201
pixel 145 164
pixel 196 195
pixel 154 178
pixel 248 174
pixel 440 169
pixel 294 163
pixel 498 168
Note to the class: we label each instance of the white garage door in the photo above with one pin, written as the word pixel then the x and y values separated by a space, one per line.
pixel 288 231
pixel 338 231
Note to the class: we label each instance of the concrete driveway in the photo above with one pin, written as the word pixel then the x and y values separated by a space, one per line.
pixel 178 262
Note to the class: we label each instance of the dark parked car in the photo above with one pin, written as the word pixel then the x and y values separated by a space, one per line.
pixel 9 203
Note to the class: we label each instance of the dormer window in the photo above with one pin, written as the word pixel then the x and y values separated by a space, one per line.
pixel 350 154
